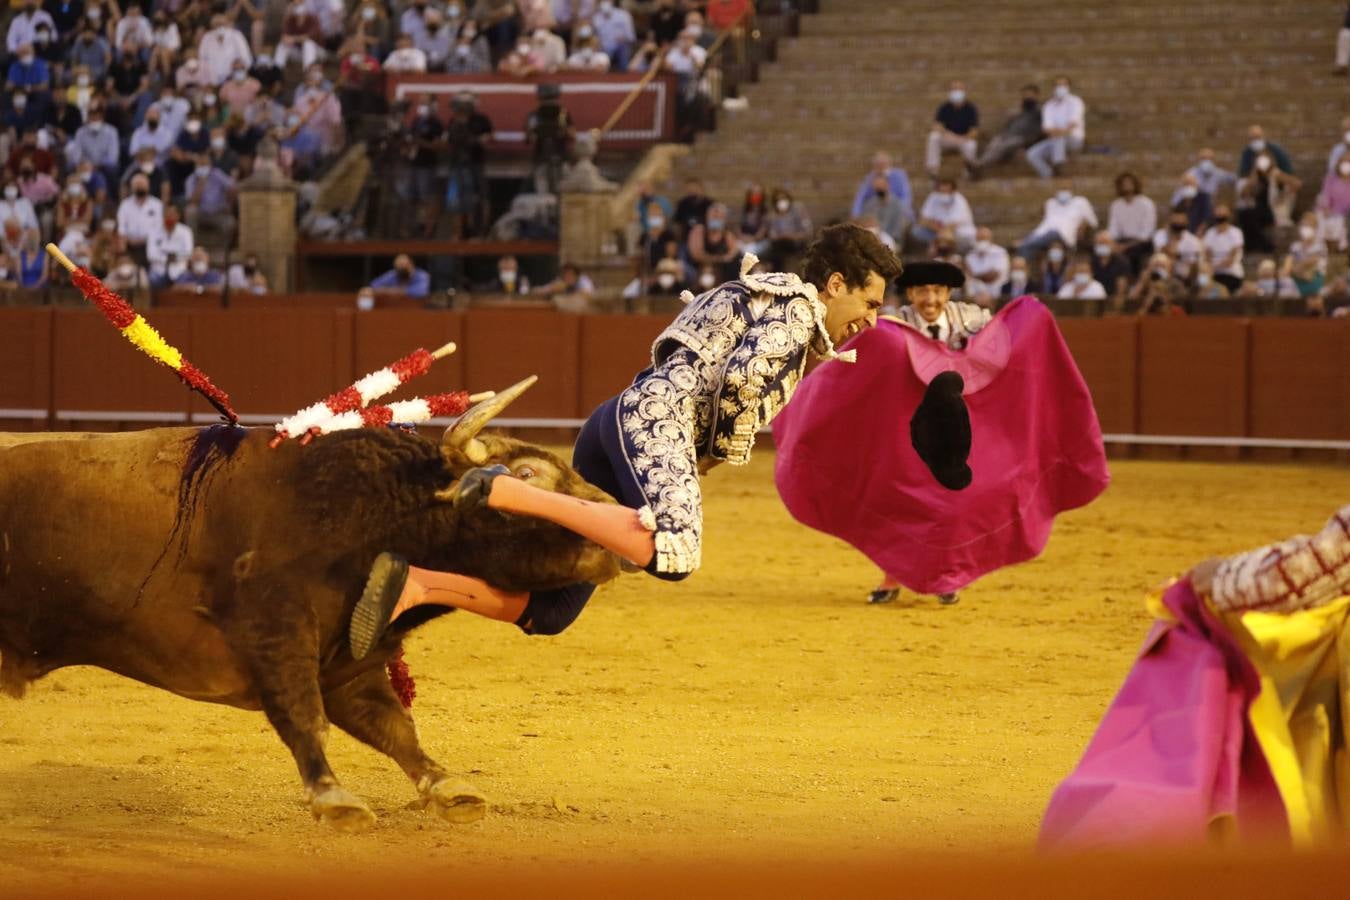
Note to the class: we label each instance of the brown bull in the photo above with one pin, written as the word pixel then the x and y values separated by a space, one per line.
pixel 204 563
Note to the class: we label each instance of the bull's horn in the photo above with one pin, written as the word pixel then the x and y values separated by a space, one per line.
pixel 464 434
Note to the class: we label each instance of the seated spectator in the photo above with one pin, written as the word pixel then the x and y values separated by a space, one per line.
pixel 1206 287
pixel 22 117
pixel 1343 46
pixel 471 55
pixel 945 208
pixel 944 248
pixel 301 148
pixel 1183 248
pixel 667 279
pixel 1306 261
pixel 509 279
pixel 1333 204
pixel 38 188
pixel 19 209
pixel 708 278
pixel 1187 198
pixel 536 14
pixel 153 135
pixel 137 218
pixel 404 279
pixel 165 43
pixel 896 179
pixel 221 155
pixel 956 126
pixel 29 16
pixel 190 74
pixel 1257 145
pixel 246 276
pixel 754 211
pixel 665 21
pixel 1020 131
pixel 656 236
pixel 32 149
pixel 1054 268
pixel 103 248
pixel 874 226
pixel 614 26
pixel 1132 220
pixel 63 119
pixel 91 52
pixel 192 142
pixel 9 272
pixel 1063 119
pixel 437 40
pixel 588 57
pixel 987 266
pixel 571 291
pixel 266 69
pixel 199 275
pixel 1269 284
pixel 75 209
pixel 711 244
pixel 1019 280
pixel 300 33
pixel 1209 181
pixel 1223 246
pixel 1110 267
pixel 1081 285
pixel 144 164
pixel 521 62
pixel 1265 202
pixel 1066 216
pixel 692 208
pixel 694 24
pixel 1157 291
pixel 128 279
pixel 686 57
pixel 365 299
pixel 497 20
pixel 886 208
pixel 548 49
pixel 95 142
pixel 133 30
pixel 240 88
pixel 169 249
pixel 28 72
pixel 787 230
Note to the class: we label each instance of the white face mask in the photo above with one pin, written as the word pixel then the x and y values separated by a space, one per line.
pixel 368 13
pixel 1306 232
pixel 666 280
pixel 238 74
pixel 11 192
pixel 523 49
pixel 1263 163
pixel 784 205
pixel 707 280
pixel 1082 278
pixel 507 276
pixel 1257 145
pixel 365 302
pixel 1202 280
pixel 957 97
pixel 1055 254
pixel 126 270
pixel 1266 285
pixel 193 127
pixel 1063 196
pixel 1018 277
pixel 199 267
pixel 82 80
pixel 1061 90
pixel 1102 250
pixel 982 246
pixel 1206 166
pixel 656 223
pixel 1188 191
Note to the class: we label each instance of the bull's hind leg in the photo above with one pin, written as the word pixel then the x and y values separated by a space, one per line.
pixel 368 709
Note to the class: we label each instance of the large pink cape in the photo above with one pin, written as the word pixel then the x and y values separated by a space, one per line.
pixel 846 466
pixel 1175 751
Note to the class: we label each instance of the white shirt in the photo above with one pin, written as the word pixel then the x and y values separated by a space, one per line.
pixel 23 28
pixel 956 321
pixel 161 139
pixel 1185 254
pixel 18 208
pixel 162 245
pixel 982 262
pixel 137 220
pixel 167 37
pixel 1132 220
pixel 614 27
pixel 1062 113
pixel 1218 243
pixel 1067 219
pixel 951 210
pixel 218 50
pixel 588 61
pixel 137 28
pixel 550 49
pixel 408 59
pixel 1072 290
pixel 682 63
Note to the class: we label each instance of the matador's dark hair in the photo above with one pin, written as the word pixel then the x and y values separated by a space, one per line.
pixel 853 252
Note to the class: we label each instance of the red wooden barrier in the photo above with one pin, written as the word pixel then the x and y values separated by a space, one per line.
pixel 26 359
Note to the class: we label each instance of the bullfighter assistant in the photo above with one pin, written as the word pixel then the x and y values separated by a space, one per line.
pixel 723 369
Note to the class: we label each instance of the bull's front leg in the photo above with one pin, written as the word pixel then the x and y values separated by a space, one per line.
pixel 368 709
pixel 271 627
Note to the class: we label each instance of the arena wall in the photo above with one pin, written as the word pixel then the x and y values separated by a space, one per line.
pixel 1256 378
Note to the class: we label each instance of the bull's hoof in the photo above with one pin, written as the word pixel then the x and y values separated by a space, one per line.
pixel 341 809
pixel 454 801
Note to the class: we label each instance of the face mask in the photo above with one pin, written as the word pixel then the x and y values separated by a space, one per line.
pixel 209 100
pixel 75 190
pixel 203 171
pixel 147 167
pixel 462 50
pixel 1263 164
pixel 94 14
pixel 656 223
pixel 716 224
pixel 1056 255
pixel 523 49
pixel 707 280
pixel 1063 196
pixel 784 205
pixel 666 280
pixel 25 58
pixel 1202 280
pixel 1257 145
pixel 365 302
pixel 82 80
pixel 199 267
pixel 606 5
pixel 1188 191
pixel 109 226
pixel 1206 166
pixel 1082 278
pixel 126 271
pixel 881 195
pixel 1306 232
pixel 264 61
pixel 292 121
pixel 584 32
pixel 507 277
pixel 193 127
pixel 239 74
pixel 1019 278
pixel 42 37
pixel 20 102
pixel 1102 250
pixel 217 143
pixel 152 124
pixel 982 246
pixel 424 110
pixel 1159 273
pixel 11 192
pixel 1061 90
pixel 453 12
pixel 957 97
pixel 368 13
pixel 1266 285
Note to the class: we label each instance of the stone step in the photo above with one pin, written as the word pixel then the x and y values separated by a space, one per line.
pixel 897 60
pixel 855 30
pixel 807 84
pixel 1034 12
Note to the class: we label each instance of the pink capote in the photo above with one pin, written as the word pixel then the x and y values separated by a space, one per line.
pixel 846 466
pixel 1175 749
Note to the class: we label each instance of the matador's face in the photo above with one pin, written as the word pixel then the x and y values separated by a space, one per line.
pixel 848 310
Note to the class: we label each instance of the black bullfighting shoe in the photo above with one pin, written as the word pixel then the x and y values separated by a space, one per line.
pixel 883 595
pixel 940 431
pixel 388 575
pixel 475 486
pixel 948 599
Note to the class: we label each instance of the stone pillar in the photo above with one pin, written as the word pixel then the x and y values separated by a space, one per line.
pixel 267 225
pixel 584 227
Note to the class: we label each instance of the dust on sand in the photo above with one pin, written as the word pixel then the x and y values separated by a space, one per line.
pixel 758 708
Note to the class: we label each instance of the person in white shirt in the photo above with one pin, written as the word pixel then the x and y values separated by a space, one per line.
pixel 614 26
pixel 406 58
pixel 153 134
pixel 1082 286
pixel 169 248
pixel 1182 246
pixel 686 58
pixel 1066 215
pixel 218 50
pixel 133 28
pixel 1132 219
pixel 988 266
pixel 945 208
pixel 17 207
pixel 549 49
pixel 1222 245
pixel 138 216
pixel 588 56
pixel 23 27
pixel 1063 119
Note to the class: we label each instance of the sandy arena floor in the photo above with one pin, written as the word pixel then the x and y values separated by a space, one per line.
pixel 758 708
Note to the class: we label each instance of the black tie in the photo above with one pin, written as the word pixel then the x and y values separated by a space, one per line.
pixel 935 331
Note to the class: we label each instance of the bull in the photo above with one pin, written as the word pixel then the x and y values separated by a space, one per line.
pixel 202 562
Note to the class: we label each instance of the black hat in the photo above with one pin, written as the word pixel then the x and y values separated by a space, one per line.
pixel 930 272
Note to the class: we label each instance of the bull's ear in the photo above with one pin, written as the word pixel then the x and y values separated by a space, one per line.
pixel 462 438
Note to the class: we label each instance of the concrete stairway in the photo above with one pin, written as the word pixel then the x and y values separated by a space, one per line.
pixel 1160 80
